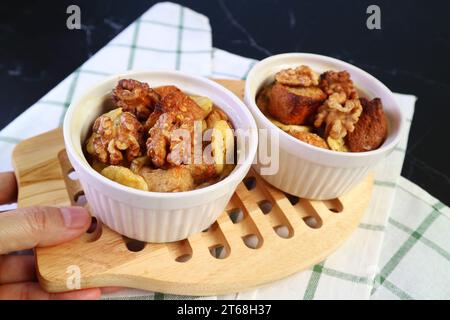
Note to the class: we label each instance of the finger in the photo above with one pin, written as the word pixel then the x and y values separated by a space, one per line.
pixel 20 268
pixel 111 289
pixel 32 291
pixel 41 226
pixel 8 187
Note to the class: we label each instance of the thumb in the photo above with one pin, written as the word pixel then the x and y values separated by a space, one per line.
pixel 41 226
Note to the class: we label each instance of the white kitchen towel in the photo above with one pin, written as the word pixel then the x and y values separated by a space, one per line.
pixel 413 261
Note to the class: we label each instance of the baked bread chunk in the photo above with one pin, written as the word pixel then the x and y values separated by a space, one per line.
pixel 174 179
pixel 371 129
pixel 294 105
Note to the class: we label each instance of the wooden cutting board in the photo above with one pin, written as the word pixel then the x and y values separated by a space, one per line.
pixel 262 236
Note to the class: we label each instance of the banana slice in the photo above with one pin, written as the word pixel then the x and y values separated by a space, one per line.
pixel 222 142
pixel 90 145
pixel 125 177
pixel 290 128
pixel 293 129
pixel 137 164
pixel 204 102
pixel 214 116
pixel 337 144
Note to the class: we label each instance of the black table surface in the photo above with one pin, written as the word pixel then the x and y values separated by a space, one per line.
pixel 410 54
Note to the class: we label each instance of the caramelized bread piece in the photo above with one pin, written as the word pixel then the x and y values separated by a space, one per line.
pixel 294 105
pixel 174 179
pixel 202 172
pixel 371 128
pixel 176 101
pixel 262 99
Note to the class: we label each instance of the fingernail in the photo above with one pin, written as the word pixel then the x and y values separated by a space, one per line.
pixel 75 217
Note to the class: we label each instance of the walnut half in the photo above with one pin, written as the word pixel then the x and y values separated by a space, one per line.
pixel 114 135
pixel 135 97
pixel 338 82
pixel 339 115
pixel 300 76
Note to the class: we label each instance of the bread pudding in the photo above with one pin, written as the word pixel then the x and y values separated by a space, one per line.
pixel 323 110
pixel 161 139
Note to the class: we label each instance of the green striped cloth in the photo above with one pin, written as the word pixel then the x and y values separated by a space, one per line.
pixel 401 248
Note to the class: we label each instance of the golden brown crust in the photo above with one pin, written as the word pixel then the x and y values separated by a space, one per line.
pixel 114 134
pixel 164 91
pixel 262 99
pixel 176 101
pixel 371 129
pixel 135 97
pixel 175 179
pixel 202 172
pixel 310 138
pixel 294 105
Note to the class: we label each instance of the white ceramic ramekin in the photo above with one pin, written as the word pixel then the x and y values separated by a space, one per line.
pixel 307 171
pixel 155 216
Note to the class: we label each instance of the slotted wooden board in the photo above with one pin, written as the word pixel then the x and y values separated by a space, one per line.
pixel 262 236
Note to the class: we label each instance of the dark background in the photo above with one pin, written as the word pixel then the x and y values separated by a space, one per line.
pixel 410 54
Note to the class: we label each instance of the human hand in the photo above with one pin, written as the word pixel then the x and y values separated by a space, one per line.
pixel 32 227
